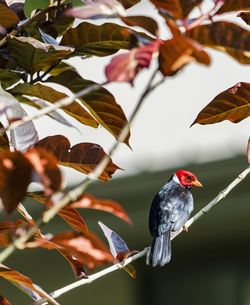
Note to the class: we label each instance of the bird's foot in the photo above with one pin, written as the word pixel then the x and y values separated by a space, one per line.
pixel 185 228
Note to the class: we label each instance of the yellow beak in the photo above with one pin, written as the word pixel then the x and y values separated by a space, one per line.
pixel 196 183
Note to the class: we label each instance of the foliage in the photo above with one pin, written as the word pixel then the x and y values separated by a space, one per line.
pixel 36 40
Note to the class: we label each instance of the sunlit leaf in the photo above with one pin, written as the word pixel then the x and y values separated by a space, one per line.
pixel 232 104
pixel 23 136
pixel 68 213
pixel 145 22
pixel 177 52
pixel 99 40
pixel 33 55
pixel 4 301
pixel 83 156
pixel 118 248
pixel 87 201
pixel 101 103
pixel 31 5
pixel 245 16
pixel 232 5
pixel 177 8
pixel 7 17
pixel 225 36
pixel 46 169
pixel 15 174
pixel 51 95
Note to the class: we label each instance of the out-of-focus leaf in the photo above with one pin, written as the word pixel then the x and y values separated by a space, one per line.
pixel 125 67
pixel 4 141
pixel 177 52
pixel 87 201
pixel 51 95
pixel 225 36
pixel 232 5
pixel 178 9
pixel 99 40
pixel 145 22
pixel 22 281
pixel 83 156
pixel 101 103
pixel 232 104
pixel 248 151
pixel 7 17
pixel 4 301
pixel 31 5
pixel 33 55
pixel 25 135
pixel 15 176
pixel 22 210
pixel 118 248
pixel 97 9
pixel 68 213
pixel 8 78
pixel 245 16
pixel 45 166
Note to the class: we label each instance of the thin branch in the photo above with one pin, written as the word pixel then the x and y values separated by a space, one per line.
pixel 221 195
pixel 79 190
pixel 40 77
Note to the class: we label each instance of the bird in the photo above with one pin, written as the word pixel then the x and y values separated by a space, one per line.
pixel 170 210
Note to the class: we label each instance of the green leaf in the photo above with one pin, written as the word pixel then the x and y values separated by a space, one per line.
pixel 232 104
pixel 99 40
pixel 33 55
pixel 8 78
pixel 51 95
pixel 178 9
pixel 225 36
pixel 101 104
pixel 31 5
pixel 232 5
pixel 8 18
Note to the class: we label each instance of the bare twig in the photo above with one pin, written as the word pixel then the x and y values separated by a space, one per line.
pixel 76 192
pixel 221 195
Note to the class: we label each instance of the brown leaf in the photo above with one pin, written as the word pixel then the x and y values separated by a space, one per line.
pixel 68 213
pixel 101 103
pixel 232 104
pixel 82 157
pixel 87 201
pixel 4 141
pixel 232 5
pixel 51 95
pixel 245 16
pixel 145 22
pixel 177 52
pixel 45 165
pixel 248 151
pixel 224 36
pixel 15 174
pixel 178 9
pixel 4 301
pixel 7 17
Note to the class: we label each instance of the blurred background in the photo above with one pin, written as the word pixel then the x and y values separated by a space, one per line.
pixel 210 263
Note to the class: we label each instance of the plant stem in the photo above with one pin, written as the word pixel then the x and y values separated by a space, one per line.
pixel 221 195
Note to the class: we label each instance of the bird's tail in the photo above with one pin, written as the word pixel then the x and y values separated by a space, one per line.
pixel 160 251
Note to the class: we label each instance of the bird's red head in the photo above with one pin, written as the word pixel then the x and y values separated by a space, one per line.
pixel 187 179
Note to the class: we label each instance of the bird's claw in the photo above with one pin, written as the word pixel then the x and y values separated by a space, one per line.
pixel 185 228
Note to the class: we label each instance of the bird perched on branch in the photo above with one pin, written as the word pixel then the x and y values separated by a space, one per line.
pixel 170 209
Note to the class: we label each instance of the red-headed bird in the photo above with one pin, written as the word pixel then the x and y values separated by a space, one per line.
pixel 170 209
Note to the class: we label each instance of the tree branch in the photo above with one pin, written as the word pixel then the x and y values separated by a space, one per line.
pixel 221 195
pixel 79 190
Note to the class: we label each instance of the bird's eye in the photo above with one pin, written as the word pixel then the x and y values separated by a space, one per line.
pixel 189 178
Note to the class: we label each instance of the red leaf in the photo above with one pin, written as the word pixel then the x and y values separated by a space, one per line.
pixel 125 67
pixel 248 151
pixel 82 157
pixel 45 165
pixel 4 301
pixel 87 201
pixel 68 213
pixel 15 176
